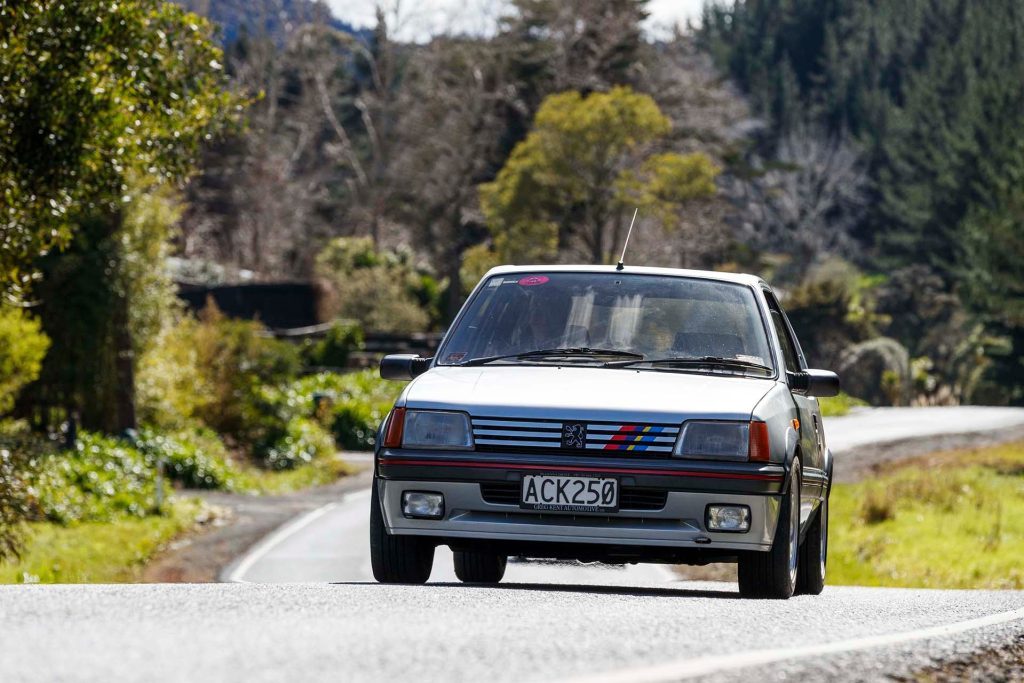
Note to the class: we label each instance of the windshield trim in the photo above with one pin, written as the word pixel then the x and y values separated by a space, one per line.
pixel 754 289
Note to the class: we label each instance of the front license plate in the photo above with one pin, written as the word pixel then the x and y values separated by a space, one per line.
pixel 570 494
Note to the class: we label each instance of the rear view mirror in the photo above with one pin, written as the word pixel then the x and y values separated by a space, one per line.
pixel 403 366
pixel 820 383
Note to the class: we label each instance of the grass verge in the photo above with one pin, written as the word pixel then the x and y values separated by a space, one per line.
pixel 113 551
pixel 948 520
pixel 317 473
pixel 835 406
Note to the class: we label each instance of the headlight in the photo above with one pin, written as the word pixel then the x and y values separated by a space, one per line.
pixel 436 429
pixel 714 440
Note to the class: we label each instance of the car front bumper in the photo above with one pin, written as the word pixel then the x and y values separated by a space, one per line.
pixel 678 524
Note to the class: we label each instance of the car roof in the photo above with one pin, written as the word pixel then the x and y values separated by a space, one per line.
pixel 738 278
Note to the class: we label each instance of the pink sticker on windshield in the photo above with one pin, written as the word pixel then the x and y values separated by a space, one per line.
pixel 532 280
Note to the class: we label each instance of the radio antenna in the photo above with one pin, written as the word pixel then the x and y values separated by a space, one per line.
pixel 622 259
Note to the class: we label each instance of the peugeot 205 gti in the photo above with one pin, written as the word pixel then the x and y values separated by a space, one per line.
pixel 609 415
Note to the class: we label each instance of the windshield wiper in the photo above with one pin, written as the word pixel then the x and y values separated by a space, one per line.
pixel 689 361
pixel 542 353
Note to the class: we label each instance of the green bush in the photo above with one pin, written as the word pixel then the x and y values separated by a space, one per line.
pixel 303 442
pixel 100 479
pixel 355 404
pixel 336 346
pixel 195 458
pixel 383 290
pixel 22 348
pixel 239 361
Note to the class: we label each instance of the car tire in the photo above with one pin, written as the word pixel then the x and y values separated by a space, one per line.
pixel 773 574
pixel 814 554
pixel 476 567
pixel 396 559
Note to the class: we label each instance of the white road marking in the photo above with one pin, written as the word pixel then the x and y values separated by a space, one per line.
pixel 281 534
pixel 704 666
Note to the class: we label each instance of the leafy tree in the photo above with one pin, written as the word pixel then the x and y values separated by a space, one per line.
pixel 89 91
pixel 576 177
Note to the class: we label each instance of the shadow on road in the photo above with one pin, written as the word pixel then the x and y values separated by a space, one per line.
pixel 637 591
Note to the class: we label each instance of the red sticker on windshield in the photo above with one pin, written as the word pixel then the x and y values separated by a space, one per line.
pixel 532 280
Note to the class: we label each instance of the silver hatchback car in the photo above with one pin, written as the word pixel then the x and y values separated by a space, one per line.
pixel 612 415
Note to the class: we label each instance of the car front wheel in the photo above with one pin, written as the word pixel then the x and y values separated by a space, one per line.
pixel 773 574
pixel 396 559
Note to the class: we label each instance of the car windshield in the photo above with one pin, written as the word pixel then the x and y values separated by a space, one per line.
pixel 612 319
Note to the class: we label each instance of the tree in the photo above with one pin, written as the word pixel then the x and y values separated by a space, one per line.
pixel 95 95
pixel 572 183
pixel 993 251
pixel 448 143
pixel 90 90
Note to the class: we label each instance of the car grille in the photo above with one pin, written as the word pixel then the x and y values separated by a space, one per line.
pixel 630 497
pixel 573 437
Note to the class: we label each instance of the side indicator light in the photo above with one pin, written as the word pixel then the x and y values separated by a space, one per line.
pixel 760 447
pixel 796 424
pixel 396 424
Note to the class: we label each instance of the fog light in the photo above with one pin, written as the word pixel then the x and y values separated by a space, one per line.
pixel 727 518
pixel 422 504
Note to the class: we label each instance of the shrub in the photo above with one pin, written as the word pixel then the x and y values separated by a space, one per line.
pixel 195 458
pixel 98 480
pixel 336 346
pixel 22 348
pixel 303 442
pixel 169 387
pixel 380 290
pixel 238 360
pixel 357 403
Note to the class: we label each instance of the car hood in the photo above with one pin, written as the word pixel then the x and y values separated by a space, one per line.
pixel 586 393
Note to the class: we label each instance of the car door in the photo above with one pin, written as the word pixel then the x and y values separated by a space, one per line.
pixel 808 413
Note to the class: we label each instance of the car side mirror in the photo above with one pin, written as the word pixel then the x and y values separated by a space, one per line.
pixel 403 366
pixel 820 383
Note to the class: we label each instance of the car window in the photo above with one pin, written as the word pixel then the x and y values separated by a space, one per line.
pixel 789 349
pixel 653 315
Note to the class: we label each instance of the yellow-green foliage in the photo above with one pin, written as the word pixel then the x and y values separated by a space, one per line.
pixel 953 520
pixel 834 406
pixel 97 552
pixel 169 387
pixel 476 261
pixel 377 289
pixel 591 157
pixel 22 348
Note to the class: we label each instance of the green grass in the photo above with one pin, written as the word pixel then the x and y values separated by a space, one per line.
pixel 834 406
pixel 317 473
pixel 950 520
pixel 97 552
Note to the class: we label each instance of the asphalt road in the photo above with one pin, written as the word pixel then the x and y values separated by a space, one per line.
pixel 545 622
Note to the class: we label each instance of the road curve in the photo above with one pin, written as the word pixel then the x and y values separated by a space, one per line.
pixel 515 632
pixel 331 544
pixel 551 622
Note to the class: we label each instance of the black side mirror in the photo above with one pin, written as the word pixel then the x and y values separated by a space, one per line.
pixel 403 366
pixel 820 383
